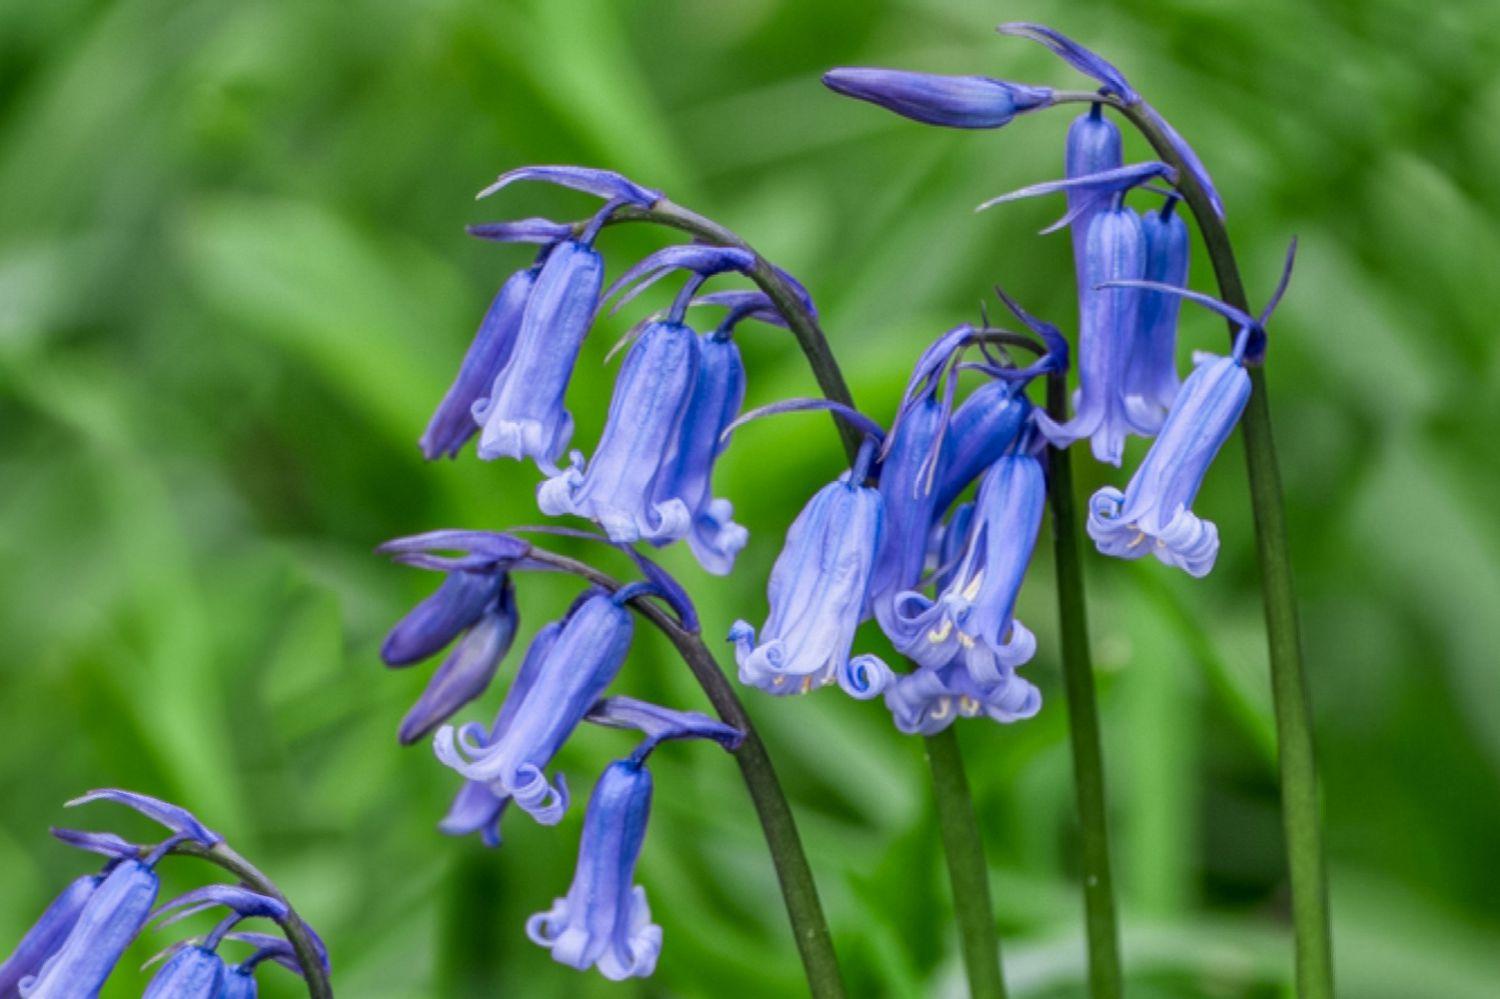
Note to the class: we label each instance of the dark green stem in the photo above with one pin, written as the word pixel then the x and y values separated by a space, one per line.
pixel 1105 981
pixel 1296 759
pixel 967 871
pixel 798 890
pixel 297 932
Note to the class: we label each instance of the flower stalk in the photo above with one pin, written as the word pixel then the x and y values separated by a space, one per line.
pixel 1296 759
pixel 1102 932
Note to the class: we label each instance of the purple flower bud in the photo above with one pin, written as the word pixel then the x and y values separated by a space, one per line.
pixel 452 609
pixel 1093 146
pixel 524 414
pixel 972 621
pixel 47 934
pixel 1107 329
pixel 468 670
pixel 927 700
pixel 1151 380
pixel 109 921
pixel 193 973
pixel 1154 515
pixel 604 920
pixel 453 422
pixel 951 101
pixel 818 591
pixel 574 671
pixel 717 395
pixel 619 489
pixel 981 430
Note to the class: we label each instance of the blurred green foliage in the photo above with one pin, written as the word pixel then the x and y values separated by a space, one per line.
pixel 233 282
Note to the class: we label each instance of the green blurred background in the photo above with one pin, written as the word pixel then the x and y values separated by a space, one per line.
pixel 234 281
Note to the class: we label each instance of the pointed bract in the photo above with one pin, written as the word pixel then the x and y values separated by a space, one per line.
pixel 601 183
pixel 604 920
pixel 1086 62
pixel 174 817
pixel 1154 515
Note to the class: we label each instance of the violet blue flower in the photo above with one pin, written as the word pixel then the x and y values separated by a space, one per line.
pixel 47 934
pixel 972 621
pixel 718 392
pixel 108 922
pixel 580 662
pixel 818 591
pixel 981 430
pixel 1154 516
pixel 604 920
pixel 192 973
pixel 908 500
pixel 1093 146
pixel 1151 380
pixel 452 424
pixel 523 415
pixel 950 101
pixel 929 699
pixel 239 983
pixel 621 487
pixel 469 668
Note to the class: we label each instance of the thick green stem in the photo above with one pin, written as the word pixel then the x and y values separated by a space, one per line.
pixel 798 890
pixel 297 932
pixel 967 871
pixel 1105 980
pixel 1296 759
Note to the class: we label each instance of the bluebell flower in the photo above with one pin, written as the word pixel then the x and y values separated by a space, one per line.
pixel 948 542
pixel 1154 515
pixel 718 392
pixel 818 592
pixel 523 415
pixel 478 807
pixel 110 919
pixel 579 663
pixel 1115 250
pixel 453 608
pixel 929 699
pixel 46 935
pixel 972 621
pixel 452 424
pixel 192 973
pixel 468 670
pixel 1093 146
pixel 621 489
pixel 239 983
pixel 908 500
pixel 1151 381
pixel 604 920
pixel 950 101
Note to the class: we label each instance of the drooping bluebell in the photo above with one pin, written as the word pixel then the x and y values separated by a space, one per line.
pixel 718 392
pixel 580 662
pixel 110 919
pixel 46 935
pixel 1154 515
pixel 908 498
pixel 950 101
pixel 1093 146
pixel 468 670
pixel 982 428
pixel 972 621
pixel 622 486
pixel 1151 380
pixel 1115 250
pixel 818 591
pixel 192 973
pixel 604 920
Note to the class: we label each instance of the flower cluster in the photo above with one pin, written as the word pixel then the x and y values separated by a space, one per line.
pixel 76 943
pixel 604 920
pixel 892 538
